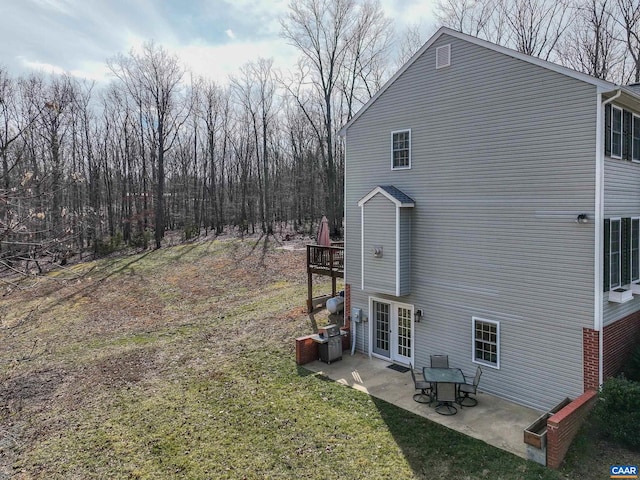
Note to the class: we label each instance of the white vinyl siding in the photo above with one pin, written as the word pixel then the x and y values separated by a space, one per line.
pixel 615 246
pixel 401 149
pixel 486 342
pixel 481 200
pixel 616 132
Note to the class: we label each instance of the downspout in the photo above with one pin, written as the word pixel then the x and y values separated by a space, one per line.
pixel 599 231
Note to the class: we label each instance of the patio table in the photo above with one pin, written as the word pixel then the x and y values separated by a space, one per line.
pixel 443 375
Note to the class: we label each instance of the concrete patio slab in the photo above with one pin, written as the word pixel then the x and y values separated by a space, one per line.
pixel 495 421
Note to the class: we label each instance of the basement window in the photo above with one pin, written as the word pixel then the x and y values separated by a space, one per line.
pixel 486 342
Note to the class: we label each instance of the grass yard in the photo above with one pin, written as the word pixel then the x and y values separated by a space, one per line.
pixel 179 363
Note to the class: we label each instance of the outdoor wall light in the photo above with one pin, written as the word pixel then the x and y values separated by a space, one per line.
pixel 417 316
pixel 582 218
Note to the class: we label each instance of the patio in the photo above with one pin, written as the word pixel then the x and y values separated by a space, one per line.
pixel 495 421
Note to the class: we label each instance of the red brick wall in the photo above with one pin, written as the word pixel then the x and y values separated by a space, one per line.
pixel 563 426
pixel 306 350
pixel 347 305
pixel 346 339
pixel 619 340
pixel 590 349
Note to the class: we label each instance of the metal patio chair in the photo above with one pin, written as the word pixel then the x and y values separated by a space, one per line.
pixel 466 389
pixel 446 396
pixel 439 361
pixel 425 395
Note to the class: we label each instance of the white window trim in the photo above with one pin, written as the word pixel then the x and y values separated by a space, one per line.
pixel 613 109
pixel 408 167
pixel 636 118
pixel 637 280
pixel 473 342
pixel 619 284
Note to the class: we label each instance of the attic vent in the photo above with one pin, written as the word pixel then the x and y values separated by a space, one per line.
pixel 443 56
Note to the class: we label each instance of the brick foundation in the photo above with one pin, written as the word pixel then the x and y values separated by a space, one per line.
pixel 306 350
pixel 346 339
pixel 619 340
pixel 563 426
pixel 347 305
pixel 590 358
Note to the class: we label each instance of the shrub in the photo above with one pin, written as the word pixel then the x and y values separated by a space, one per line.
pixel 618 411
pixel 110 245
pixel 191 231
pixel 140 240
pixel 632 367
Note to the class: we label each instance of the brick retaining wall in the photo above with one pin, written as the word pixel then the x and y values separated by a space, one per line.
pixel 563 426
pixel 306 350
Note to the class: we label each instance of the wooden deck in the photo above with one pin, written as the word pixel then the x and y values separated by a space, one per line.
pixel 327 261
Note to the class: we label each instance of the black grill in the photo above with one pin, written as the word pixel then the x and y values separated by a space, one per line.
pixel 330 340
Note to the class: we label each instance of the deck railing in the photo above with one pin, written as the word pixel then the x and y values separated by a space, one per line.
pixel 330 258
pixel 324 260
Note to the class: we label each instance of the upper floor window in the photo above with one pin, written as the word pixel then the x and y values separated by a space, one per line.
pixel 401 149
pixel 616 132
pixel 486 342
pixel 635 142
pixel 615 245
pixel 621 133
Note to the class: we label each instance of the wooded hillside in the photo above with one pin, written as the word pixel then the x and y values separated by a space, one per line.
pixel 92 167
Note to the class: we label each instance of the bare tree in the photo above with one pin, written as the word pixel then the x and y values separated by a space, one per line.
pixel 255 91
pixel 154 77
pixel 590 45
pixel 536 26
pixel 366 59
pixel 322 30
pixel 629 19
pixel 533 27
pixel 410 41
pixel 479 18
pixel 342 43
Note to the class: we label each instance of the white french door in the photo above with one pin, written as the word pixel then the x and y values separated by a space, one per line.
pixel 391 330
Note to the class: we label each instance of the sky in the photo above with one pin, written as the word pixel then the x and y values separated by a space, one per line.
pixel 212 38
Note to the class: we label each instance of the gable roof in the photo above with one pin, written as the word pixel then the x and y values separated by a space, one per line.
pixel 401 199
pixel 602 85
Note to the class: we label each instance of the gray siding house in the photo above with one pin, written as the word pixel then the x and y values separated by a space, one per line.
pixel 492 212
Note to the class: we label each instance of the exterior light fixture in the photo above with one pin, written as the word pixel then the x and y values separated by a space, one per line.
pixel 582 218
pixel 417 316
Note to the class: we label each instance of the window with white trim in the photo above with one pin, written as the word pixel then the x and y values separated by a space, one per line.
pixel 615 250
pixel 616 132
pixel 634 257
pixel 635 139
pixel 486 342
pixel 621 133
pixel 400 149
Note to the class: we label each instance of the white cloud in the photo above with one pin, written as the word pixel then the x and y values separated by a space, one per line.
pixel 409 12
pixel 217 62
pixel 230 34
pixel 42 66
